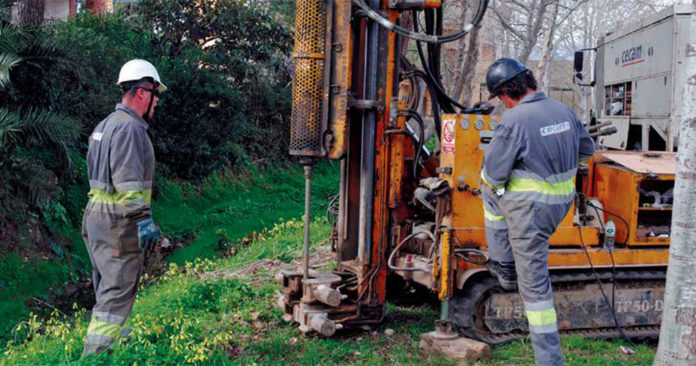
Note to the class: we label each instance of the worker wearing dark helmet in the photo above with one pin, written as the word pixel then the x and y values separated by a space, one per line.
pixel 117 226
pixel 528 173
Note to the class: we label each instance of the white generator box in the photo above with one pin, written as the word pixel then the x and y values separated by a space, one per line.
pixel 640 81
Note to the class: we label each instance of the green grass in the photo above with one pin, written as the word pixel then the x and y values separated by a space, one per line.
pixel 211 310
pixel 235 205
pixel 221 312
pixel 28 281
pixel 577 351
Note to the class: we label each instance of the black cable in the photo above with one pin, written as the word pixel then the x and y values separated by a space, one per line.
pixel 613 263
pixel 612 304
pixel 443 99
pixel 438 47
pixel 435 105
pixel 601 289
pixel 421 137
pixel 611 250
pixel 406 73
pixel 628 227
pixel 430 29
pixel 441 96
pixel 376 17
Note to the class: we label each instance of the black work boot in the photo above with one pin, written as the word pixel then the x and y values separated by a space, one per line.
pixel 504 272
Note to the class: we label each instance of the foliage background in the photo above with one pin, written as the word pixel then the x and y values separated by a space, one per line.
pixel 228 75
pixel 225 112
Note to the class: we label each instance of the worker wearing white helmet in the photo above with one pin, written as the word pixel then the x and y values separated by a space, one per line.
pixel 117 225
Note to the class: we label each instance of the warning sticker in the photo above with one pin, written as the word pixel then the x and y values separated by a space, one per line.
pixel 448 135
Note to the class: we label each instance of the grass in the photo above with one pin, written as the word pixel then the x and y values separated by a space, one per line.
pixel 233 205
pixel 221 312
pixel 208 309
pixel 26 282
pixel 236 207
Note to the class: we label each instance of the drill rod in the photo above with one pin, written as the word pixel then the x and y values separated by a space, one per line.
pixel 308 164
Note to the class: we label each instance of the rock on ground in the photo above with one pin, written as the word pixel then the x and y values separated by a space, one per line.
pixel 460 349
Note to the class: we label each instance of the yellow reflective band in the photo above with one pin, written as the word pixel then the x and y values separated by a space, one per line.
pixel 541 317
pixel 531 185
pixel 583 161
pixel 119 198
pixel 483 178
pixel 99 327
pixel 490 217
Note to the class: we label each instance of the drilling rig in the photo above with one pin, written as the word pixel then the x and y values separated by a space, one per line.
pixel 409 214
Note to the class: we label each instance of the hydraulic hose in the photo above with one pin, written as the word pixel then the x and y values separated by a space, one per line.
pixel 443 98
pixel 410 269
pixel 463 253
pixel 421 137
pixel 433 99
pixel 378 18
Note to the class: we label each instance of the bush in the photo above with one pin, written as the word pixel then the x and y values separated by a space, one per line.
pixel 226 67
pixel 35 142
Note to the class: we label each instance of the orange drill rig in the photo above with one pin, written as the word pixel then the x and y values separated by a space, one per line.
pixel 408 214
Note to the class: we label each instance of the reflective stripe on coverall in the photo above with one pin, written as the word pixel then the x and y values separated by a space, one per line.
pixel 532 161
pixel 120 164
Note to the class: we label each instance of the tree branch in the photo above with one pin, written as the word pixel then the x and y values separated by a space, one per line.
pixel 507 26
pixel 570 12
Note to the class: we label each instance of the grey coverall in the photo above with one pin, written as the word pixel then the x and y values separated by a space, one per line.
pixel 120 164
pixel 529 168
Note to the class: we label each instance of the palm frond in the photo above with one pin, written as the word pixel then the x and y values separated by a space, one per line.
pixel 33 180
pixel 11 37
pixel 34 50
pixel 42 51
pixel 7 62
pixel 39 126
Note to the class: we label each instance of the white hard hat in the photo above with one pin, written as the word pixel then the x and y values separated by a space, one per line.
pixel 137 69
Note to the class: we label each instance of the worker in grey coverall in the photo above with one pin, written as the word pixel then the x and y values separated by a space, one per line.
pixel 528 172
pixel 117 225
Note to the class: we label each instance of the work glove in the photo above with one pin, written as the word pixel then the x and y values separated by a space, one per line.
pixel 148 233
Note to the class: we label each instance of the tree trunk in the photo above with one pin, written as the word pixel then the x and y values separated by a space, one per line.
pixel 547 51
pixel 533 30
pixel 455 17
pixel 30 12
pixel 587 41
pixel 678 331
pixel 469 72
pixel 461 58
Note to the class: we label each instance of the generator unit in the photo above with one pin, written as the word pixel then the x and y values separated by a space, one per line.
pixel 637 80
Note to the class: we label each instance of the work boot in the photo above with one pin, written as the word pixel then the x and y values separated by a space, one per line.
pixel 505 273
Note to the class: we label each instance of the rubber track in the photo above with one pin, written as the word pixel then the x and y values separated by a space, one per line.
pixel 473 297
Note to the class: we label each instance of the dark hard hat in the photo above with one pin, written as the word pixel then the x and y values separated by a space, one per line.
pixel 502 71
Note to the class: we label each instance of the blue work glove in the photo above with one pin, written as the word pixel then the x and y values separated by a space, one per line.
pixel 148 233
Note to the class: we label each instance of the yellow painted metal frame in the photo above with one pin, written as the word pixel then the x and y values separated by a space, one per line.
pixel 465 133
pixel 341 66
pixel 467 207
pixel 617 189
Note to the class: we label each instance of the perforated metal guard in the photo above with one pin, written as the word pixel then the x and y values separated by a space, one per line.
pixel 308 78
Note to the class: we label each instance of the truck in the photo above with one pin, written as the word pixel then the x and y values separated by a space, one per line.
pixel 637 85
